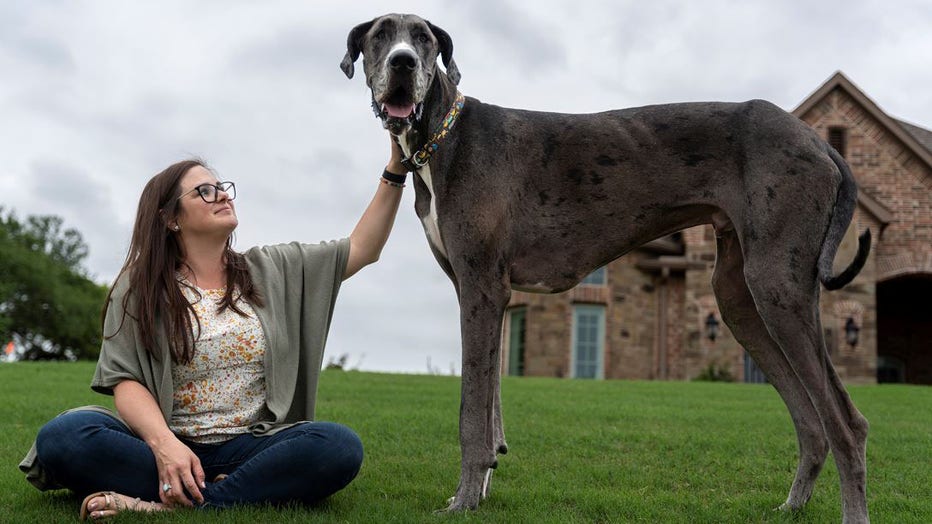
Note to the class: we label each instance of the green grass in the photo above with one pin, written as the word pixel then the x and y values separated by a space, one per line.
pixel 612 451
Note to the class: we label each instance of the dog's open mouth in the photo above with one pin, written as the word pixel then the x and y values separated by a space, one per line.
pixel 397 111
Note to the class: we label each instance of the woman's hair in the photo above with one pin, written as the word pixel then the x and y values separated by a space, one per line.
pixel 152 264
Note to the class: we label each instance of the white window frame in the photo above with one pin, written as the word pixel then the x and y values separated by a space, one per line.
pixel 599 313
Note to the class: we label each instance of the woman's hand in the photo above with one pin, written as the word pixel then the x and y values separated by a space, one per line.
pixel 180 468
pixel 394 163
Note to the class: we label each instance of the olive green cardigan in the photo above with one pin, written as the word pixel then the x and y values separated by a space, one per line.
pixel 299 285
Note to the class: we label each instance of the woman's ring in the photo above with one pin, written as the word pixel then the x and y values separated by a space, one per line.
pixel 166 487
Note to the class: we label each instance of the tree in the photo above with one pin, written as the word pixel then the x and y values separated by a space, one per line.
pixel 47 302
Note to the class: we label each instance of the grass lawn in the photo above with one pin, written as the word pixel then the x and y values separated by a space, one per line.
pixel 581 451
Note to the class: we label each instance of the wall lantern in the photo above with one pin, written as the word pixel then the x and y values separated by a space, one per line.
pixel 852 332
pixel 711 327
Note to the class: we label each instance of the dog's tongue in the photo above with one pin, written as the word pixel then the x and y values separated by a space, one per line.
pixel 399 111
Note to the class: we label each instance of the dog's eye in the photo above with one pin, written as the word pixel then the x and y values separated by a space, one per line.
pixel 381 34
pixel 423 38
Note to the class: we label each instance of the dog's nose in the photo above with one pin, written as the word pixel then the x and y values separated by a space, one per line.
pixel 403 60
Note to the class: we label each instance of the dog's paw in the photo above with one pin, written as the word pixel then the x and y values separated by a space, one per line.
pixel 450 507
pixel 786 508
pixel 453 506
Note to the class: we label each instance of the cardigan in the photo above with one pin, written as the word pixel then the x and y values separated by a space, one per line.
pixel 299 284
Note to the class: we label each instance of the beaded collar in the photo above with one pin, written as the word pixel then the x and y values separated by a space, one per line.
pixel 422 156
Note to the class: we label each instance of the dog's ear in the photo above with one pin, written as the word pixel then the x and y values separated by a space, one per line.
pixel 446 52
pixel 354 47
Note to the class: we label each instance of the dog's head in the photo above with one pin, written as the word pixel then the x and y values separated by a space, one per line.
pixel 400 61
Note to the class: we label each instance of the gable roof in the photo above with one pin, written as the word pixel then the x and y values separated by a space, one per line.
pixel 923 136
pixel 917 139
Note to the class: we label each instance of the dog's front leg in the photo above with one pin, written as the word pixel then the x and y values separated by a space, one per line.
pixel 482 304
pixel 499 444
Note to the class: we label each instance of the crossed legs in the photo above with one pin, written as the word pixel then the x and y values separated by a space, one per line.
pixel 91 452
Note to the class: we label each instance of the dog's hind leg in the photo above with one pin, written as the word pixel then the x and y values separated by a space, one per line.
pixel 483 298
pixel 787 298
pixel 740 314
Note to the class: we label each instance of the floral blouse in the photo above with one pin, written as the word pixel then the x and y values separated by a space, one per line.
pixel 222 391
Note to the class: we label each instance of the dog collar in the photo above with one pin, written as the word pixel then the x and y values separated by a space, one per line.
pixel 422 156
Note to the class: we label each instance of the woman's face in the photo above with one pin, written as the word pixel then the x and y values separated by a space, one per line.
pixel 197 217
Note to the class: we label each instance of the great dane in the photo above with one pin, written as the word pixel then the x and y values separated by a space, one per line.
pixel 534 201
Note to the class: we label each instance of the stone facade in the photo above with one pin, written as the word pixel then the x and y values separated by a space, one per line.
pixel 656 301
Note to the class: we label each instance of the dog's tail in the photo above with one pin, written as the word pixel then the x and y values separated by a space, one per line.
pixel 841 216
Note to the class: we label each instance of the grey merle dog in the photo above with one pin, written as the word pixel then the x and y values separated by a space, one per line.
pixel 534 201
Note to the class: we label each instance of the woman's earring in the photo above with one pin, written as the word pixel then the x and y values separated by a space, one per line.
pixel 177 227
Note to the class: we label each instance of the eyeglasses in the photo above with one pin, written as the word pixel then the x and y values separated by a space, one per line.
pixel 209 192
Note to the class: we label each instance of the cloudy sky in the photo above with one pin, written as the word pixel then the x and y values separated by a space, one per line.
pixel 98 96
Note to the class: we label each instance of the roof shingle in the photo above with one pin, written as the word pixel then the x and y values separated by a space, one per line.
pixel 923 136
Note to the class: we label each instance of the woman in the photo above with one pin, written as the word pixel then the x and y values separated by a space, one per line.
pixel 212 357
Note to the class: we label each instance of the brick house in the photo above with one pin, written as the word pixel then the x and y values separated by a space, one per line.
pixel 652 315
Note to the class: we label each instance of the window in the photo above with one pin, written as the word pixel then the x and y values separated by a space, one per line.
pixel 517 322
pixel 596 278
pixel 752 373
pixel 588 341
pixel 837 138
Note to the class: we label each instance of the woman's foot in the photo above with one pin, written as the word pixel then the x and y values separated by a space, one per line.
pixel 105 504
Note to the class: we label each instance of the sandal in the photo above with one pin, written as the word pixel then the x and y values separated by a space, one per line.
pixel 115 502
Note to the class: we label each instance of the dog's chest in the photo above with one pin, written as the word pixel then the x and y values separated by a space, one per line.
pixel 429 221
pixel 431 226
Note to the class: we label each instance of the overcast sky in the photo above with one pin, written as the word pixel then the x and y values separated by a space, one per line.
pixel 98 96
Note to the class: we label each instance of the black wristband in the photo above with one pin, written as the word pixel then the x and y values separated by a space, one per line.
pixel 392 177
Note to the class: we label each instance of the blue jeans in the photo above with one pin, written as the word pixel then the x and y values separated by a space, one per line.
pixel 88 452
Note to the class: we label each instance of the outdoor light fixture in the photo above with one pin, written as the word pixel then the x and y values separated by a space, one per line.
pixel 711 327
pixel 852 331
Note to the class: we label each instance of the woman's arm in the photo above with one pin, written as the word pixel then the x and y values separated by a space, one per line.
pixel 178 466
pixel 371 233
